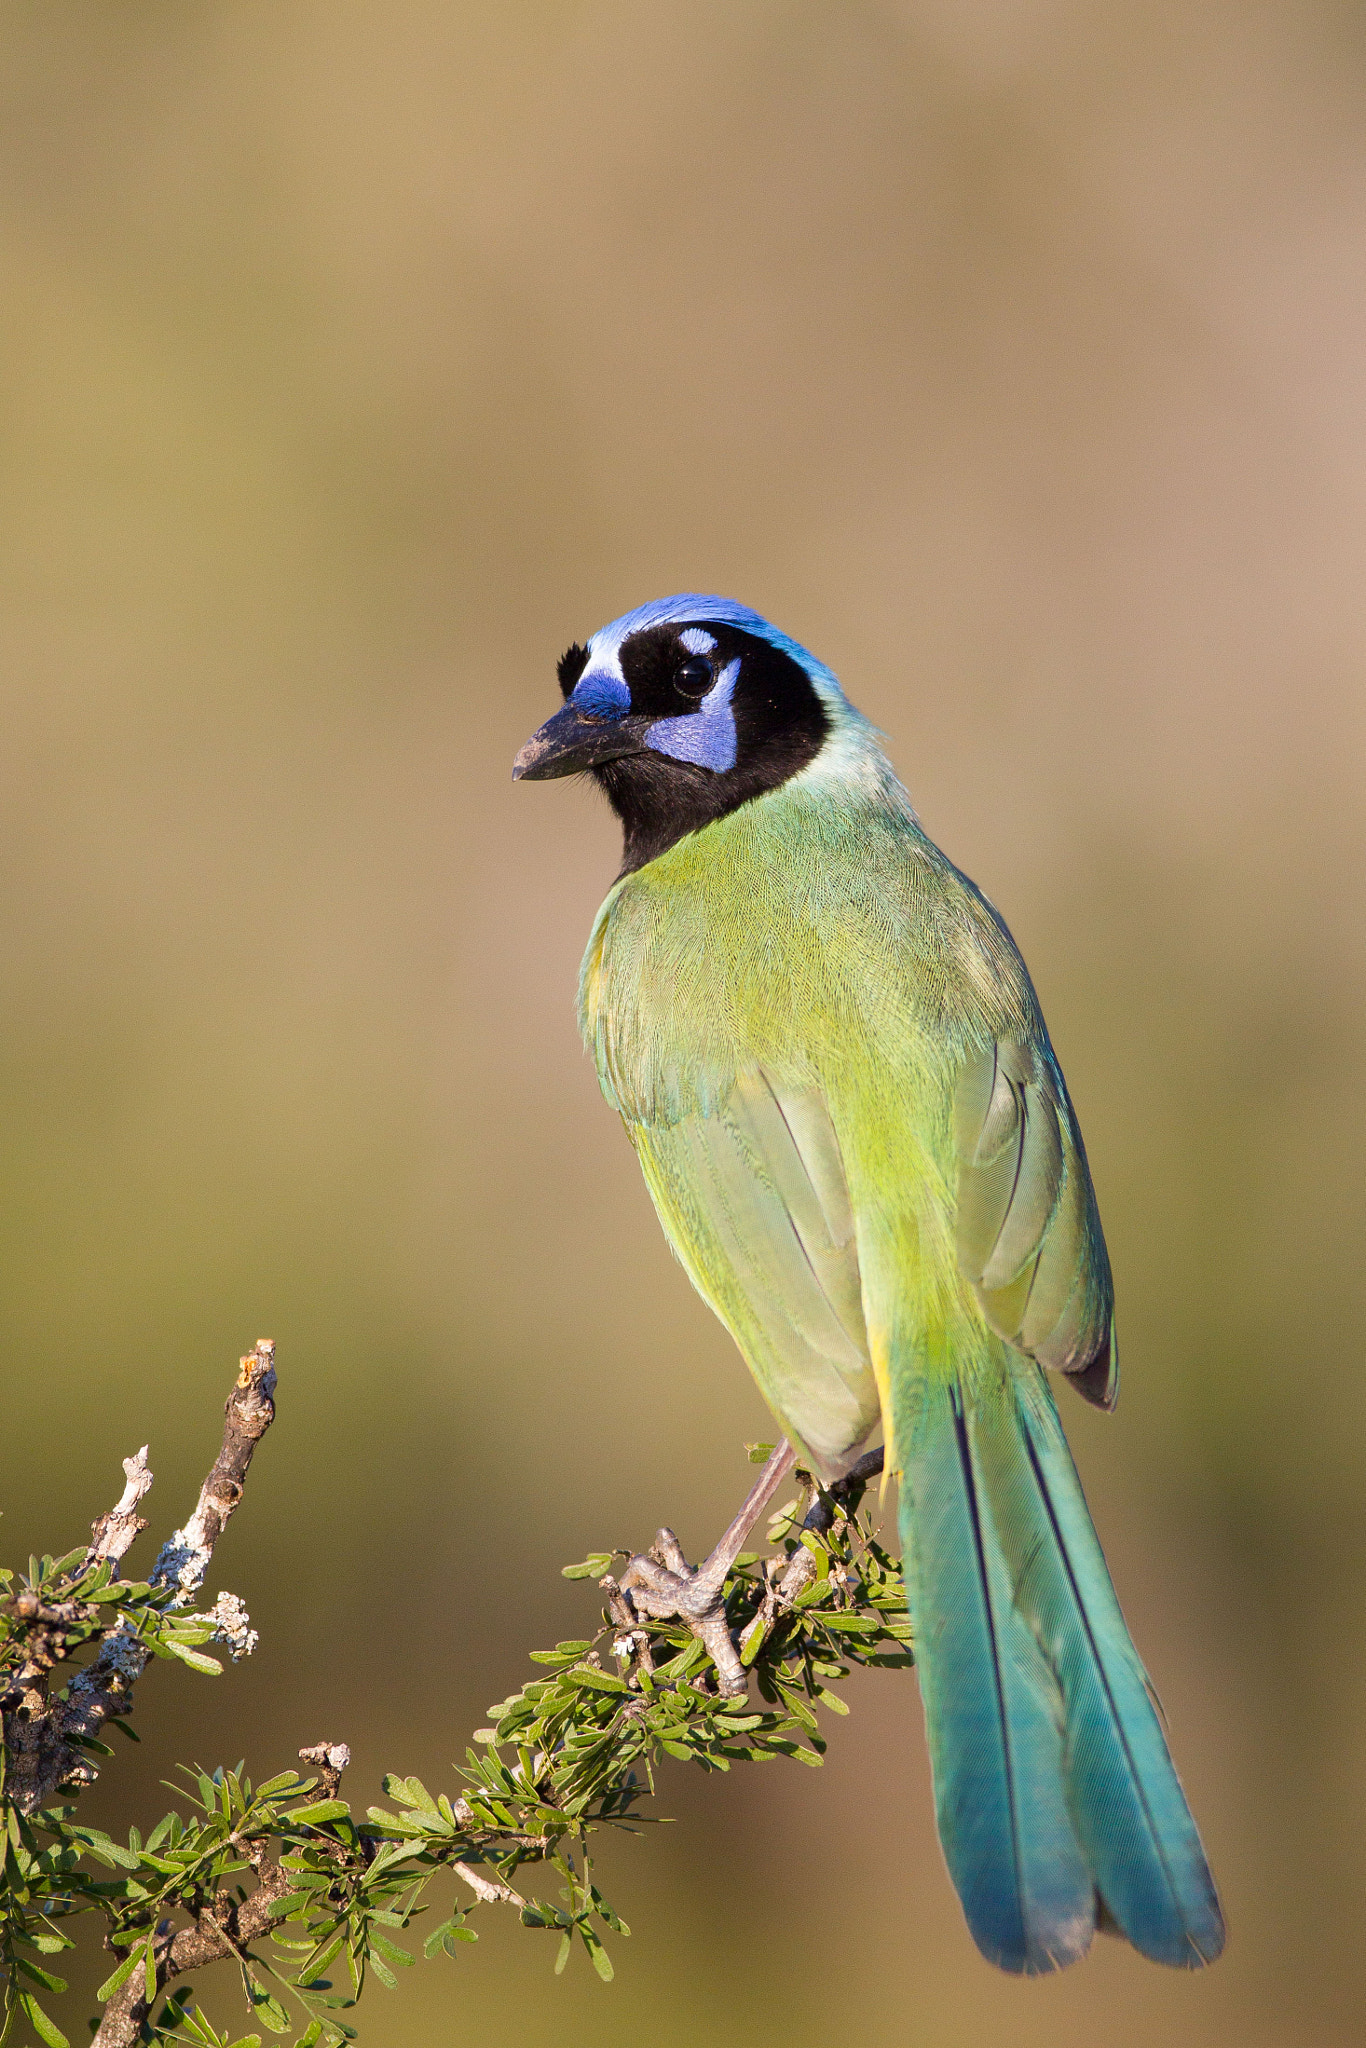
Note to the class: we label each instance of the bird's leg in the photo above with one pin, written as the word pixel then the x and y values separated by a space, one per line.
pixel 662 1584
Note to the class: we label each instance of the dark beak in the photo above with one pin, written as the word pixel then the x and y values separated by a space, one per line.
pixel 568 743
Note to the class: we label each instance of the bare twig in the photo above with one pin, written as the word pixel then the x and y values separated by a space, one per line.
pixel 250 1410
pixel 819 1518
pixel 110 1537
pixel 329 1759
pixel 45 1738
pixel 114 1534
pixel 487 1889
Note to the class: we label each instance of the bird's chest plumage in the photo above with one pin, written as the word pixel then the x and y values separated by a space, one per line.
pixel 819 944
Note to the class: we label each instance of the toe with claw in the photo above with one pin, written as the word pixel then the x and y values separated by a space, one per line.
pixel 662 1584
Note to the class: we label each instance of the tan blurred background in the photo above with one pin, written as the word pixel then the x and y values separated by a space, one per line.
pixel 354 358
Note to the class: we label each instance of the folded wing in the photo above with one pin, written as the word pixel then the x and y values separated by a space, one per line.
pixel 1029 1235
pixel 754 1200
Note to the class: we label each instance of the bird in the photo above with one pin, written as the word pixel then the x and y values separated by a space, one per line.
pixel 832 1064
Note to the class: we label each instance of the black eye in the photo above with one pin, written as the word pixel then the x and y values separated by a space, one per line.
pixel 694 677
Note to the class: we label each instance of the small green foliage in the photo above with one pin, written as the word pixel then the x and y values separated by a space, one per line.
pixel 328 1900
pixel 593 1566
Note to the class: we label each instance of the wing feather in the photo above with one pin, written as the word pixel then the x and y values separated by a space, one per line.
pixel 1029 1235
pixel 754 1200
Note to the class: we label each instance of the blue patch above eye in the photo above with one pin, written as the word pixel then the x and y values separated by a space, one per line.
pixel 598 695
pixel 706 737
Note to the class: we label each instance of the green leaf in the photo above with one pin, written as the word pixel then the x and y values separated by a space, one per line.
pixel 287 1781
pixel 46 2029
pixel 268 2008
pixel 102 1847
pixel 407 1825
pixel 320 1960
pixel 593 1566
pixel 321 1810
pixel 436 1939
pixel 412 1792
pixel 280 1909
pixel 604 1912
pixel 601 1681
pixel 40 1976
pixel 597 1955
pixel 196 1659
pixel 390 1949
pixel 562 1958
pixel 799 1710
pixel 393 1852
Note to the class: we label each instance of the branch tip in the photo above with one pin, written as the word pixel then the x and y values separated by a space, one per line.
pixel 329 1759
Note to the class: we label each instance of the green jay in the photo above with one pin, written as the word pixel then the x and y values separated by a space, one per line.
pixel 830 1059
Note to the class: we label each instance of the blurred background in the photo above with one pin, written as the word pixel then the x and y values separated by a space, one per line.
pixel 354 359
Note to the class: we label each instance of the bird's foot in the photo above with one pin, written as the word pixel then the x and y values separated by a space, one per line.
pixel 662 1584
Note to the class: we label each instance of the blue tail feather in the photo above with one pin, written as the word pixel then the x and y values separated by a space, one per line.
pixel 1056 1794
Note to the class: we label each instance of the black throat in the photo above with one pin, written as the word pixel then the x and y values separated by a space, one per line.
pixel 780 726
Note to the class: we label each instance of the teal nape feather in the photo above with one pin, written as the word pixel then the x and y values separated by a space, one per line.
pixel 832 1064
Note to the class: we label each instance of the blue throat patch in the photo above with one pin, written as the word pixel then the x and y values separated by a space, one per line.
pixel 706 737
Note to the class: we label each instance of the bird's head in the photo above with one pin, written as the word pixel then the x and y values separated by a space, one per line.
pixel 682 711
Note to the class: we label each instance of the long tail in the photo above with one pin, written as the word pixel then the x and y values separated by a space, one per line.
pixel 1058 1802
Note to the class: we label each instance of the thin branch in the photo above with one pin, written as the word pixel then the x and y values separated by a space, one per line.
pixel 45 1737
pixel 250 1410
pixel 224 1928
pixel 220 1930
pixel 486 1889
pixel 113 1536
pixel 227 1927
pixel 329 1760
pixel 48 1643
